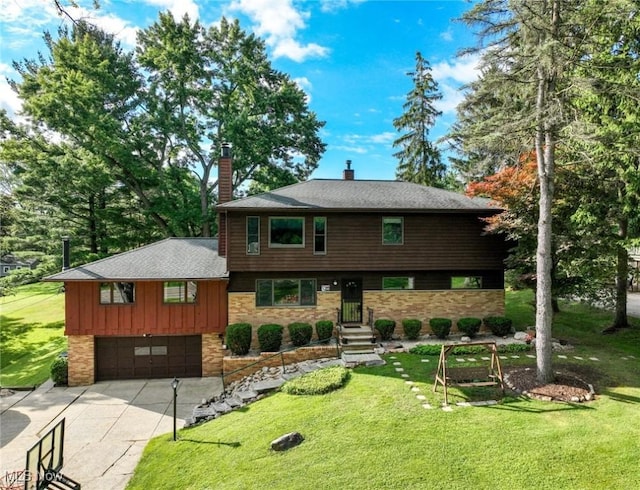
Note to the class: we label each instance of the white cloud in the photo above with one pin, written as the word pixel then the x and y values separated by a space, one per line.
pixel 464 70
pixel 447 35
pixel 335 5
pixel 177 7
pixel 278 22
pixel 451 97
pixel 305 85
pixel 9 100
pixel 383 138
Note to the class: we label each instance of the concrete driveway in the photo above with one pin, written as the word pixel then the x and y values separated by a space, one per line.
pixel 107 424
pixel 633 304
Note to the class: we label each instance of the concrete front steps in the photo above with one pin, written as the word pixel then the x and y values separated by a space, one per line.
pixel 358 343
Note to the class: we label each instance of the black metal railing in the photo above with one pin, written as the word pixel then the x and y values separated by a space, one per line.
pixel 281 354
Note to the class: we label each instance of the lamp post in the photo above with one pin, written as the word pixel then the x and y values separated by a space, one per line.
pixel 174 385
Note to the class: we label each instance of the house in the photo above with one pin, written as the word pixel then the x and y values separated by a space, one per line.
pixel 9 262
pixel 353 251
pixel 154 312
pixel 347 250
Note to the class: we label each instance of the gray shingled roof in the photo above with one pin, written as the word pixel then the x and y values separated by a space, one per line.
pixel 361 195
pixel 173 258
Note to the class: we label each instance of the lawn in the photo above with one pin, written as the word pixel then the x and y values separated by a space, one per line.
pixel 31 334
pixel 375 433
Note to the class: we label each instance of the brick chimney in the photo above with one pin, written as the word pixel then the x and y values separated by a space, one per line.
pixel 347 173
pixel 225 194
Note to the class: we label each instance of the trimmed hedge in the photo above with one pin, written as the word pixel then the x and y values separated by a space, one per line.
pixel 499 325
pixel 317 382
pixel 324 330
pixel 440 327
pixel 270 337
pixel 411 327
pixel 469 326
pixel 60 371
pixel 472 350
pixel 238 338
pixel 300 333
pixel 385 327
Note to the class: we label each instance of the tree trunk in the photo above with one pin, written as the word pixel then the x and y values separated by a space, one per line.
pixel 622 277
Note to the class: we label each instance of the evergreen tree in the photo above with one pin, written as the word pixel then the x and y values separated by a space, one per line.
pixel 419 158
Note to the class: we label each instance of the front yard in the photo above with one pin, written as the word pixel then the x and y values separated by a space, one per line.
pixel 376 432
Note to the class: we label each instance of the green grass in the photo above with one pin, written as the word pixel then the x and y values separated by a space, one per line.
pixel 31 334
pixel 374 433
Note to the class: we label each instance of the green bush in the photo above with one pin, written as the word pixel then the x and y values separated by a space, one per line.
pixel 469 326
pixel 411 327
pixel 270 337
pixel 300 333
pixel 324 330
pixel 440 327
pixel 317 382
pixel 60 371
pixel 238 338
pixel 385 327
pixel 499 325
pixel 471 350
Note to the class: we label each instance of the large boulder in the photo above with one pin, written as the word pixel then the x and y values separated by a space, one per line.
pixel 287 441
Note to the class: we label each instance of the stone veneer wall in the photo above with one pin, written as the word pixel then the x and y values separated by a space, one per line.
pixel 81 360
pixel 242 308
pixel 424 305
pixel 231 364
pixel 212 354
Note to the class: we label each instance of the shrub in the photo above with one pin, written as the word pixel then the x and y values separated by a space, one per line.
pixel 324 330
pixel 60 371
pixel 411 327
pixel 317 382
pixel 471 350
pixel 440 327
pixel 469 326
pixel 238 338
pixel 499 325
pixel 385 327
pixel 300 333
pixel 270 337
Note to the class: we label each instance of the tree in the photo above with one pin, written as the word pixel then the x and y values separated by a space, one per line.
pixel 419 158
pixel 157 120
pixel 534 42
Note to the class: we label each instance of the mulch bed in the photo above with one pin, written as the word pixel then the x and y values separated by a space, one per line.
pixel 571 384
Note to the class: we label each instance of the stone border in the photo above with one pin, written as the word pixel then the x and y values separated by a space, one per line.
pixel 576 399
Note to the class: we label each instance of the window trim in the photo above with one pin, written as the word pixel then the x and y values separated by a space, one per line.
pixel 299 304
pixel 248 249
pixel 184 299
pixel 324 235
pixel 411 283
pixel 112 288
pixel 280 245
pixel 401 218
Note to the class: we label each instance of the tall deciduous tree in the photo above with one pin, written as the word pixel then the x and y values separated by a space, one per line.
pixel 419 158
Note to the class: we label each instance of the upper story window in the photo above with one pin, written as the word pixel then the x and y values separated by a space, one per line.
pixel 286 232
pixel 180 291
pixel 392 231
pixel 253 235
pixel 319 235
pixel 112 293
pixel 466 282
pixel 397 283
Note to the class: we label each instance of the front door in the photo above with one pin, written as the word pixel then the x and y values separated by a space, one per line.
pixel 351 290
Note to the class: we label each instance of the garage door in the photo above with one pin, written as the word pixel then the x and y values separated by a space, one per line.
pixel 148 357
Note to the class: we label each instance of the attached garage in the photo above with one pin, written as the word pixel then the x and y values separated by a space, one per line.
pixel 148 357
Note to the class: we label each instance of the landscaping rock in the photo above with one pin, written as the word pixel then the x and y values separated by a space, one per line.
pixel 520 335
pixel 465 339
pixel 287 441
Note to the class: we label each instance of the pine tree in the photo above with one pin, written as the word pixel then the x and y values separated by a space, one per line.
pixel 419 159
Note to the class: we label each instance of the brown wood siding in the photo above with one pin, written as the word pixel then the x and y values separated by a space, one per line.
pixel 84 315
pixel 371 281
pixel 354 243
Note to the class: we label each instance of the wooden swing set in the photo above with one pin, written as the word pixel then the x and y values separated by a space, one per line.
pixel 468 376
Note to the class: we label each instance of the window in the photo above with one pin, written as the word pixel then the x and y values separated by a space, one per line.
pixel 286 232
pixel 397 283
pixel 5 268
pixel 319 235
pixel 466 282
pixel 180 291
pixel 117 293
pixel 392 231
pixel 253 235
pixel 285 292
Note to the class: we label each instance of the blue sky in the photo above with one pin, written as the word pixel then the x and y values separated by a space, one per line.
pixel 350 56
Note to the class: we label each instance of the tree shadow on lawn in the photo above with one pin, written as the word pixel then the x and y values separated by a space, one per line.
pixel 217 443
